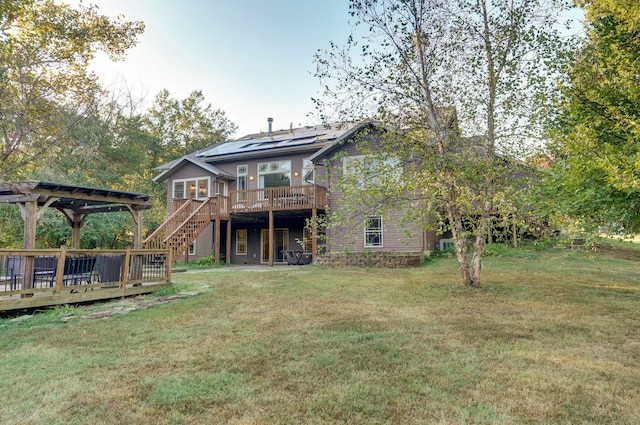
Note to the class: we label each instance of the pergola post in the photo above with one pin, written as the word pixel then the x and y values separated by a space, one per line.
pixel 30 217
pixel 137 228
pixel 136 266
pixel 77 221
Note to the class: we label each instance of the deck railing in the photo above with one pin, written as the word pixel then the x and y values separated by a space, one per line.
pixel 282 198
pixel 62 271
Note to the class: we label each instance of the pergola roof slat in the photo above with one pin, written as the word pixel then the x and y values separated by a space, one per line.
pixel 71 196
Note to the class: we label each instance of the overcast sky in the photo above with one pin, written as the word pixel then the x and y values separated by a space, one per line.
pixel 251 58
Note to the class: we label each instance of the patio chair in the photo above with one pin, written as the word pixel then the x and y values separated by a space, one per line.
pixel 44 271
pixel 78 270
pixel 15 271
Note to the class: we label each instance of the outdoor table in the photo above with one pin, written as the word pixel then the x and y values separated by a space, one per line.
pixel 297 257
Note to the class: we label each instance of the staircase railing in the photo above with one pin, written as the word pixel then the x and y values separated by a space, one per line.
pixel 177 219
pixel 179 240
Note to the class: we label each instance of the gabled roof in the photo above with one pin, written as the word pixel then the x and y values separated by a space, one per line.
pixel 283 141
pixel 167 170
pixel 338 142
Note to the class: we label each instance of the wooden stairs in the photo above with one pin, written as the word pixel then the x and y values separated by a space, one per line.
pixel 182 227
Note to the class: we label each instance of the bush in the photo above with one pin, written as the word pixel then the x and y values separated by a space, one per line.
pixel 502 250
pixel 437 253
pixel 206 262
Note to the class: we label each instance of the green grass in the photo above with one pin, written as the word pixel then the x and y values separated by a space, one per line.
pixel 552 337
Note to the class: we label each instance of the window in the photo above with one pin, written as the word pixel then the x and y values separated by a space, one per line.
pixel 192 248
pixel 203 188
pixel 221 187
pixel 447 244
pixel 178 190
pixel 373 231
pixel 366 169
pixel 307 172
pixel 241 242
pixel 274 174
pixel 241 184
pixel 197 188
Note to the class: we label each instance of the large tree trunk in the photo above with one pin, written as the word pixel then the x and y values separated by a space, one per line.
pixel 478 248
pixel 457 229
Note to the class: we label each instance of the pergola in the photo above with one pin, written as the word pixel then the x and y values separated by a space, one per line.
pixel 76 203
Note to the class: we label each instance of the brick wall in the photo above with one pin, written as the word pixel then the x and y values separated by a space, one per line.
pixel 371 259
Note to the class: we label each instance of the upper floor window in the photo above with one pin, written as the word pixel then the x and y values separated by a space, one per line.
pixel 373 231
pixel 274 174
pixel 307 172
pixel 370 170
pixel 241 183
pixel 241 173
pixel 221 187
pixel 191 188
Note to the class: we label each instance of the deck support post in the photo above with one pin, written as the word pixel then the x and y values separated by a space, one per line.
pixel 216 241
pixel 271 237
pixel 314 235
pixel 228 255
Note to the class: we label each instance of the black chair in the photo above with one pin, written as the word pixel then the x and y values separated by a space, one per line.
pixel 109 268
pixel 15 271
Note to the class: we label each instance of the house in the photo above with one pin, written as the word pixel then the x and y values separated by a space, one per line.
pixel 250 200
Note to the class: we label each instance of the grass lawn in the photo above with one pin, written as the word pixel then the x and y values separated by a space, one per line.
pixel 552 337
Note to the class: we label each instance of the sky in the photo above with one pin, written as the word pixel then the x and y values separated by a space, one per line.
pixel 251 58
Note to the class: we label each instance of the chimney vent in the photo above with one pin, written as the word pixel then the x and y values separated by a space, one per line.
pixel 270 121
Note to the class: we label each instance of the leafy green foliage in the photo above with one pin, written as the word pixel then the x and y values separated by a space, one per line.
pixel 179 127
pixel 57 123
pixel 46 89
pixel 596 174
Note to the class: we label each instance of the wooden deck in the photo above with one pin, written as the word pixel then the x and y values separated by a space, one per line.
pixel 285 198
pixel 38 278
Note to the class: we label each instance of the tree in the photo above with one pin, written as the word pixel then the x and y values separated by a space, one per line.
pixel 179 127
pixel 596 173
pixel 435 74
pixel 46 89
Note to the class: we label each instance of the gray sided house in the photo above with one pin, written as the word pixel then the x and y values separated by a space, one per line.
pixel 249 200
pixel 363 229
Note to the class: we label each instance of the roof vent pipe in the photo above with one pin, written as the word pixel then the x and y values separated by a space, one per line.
pixel 270 121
